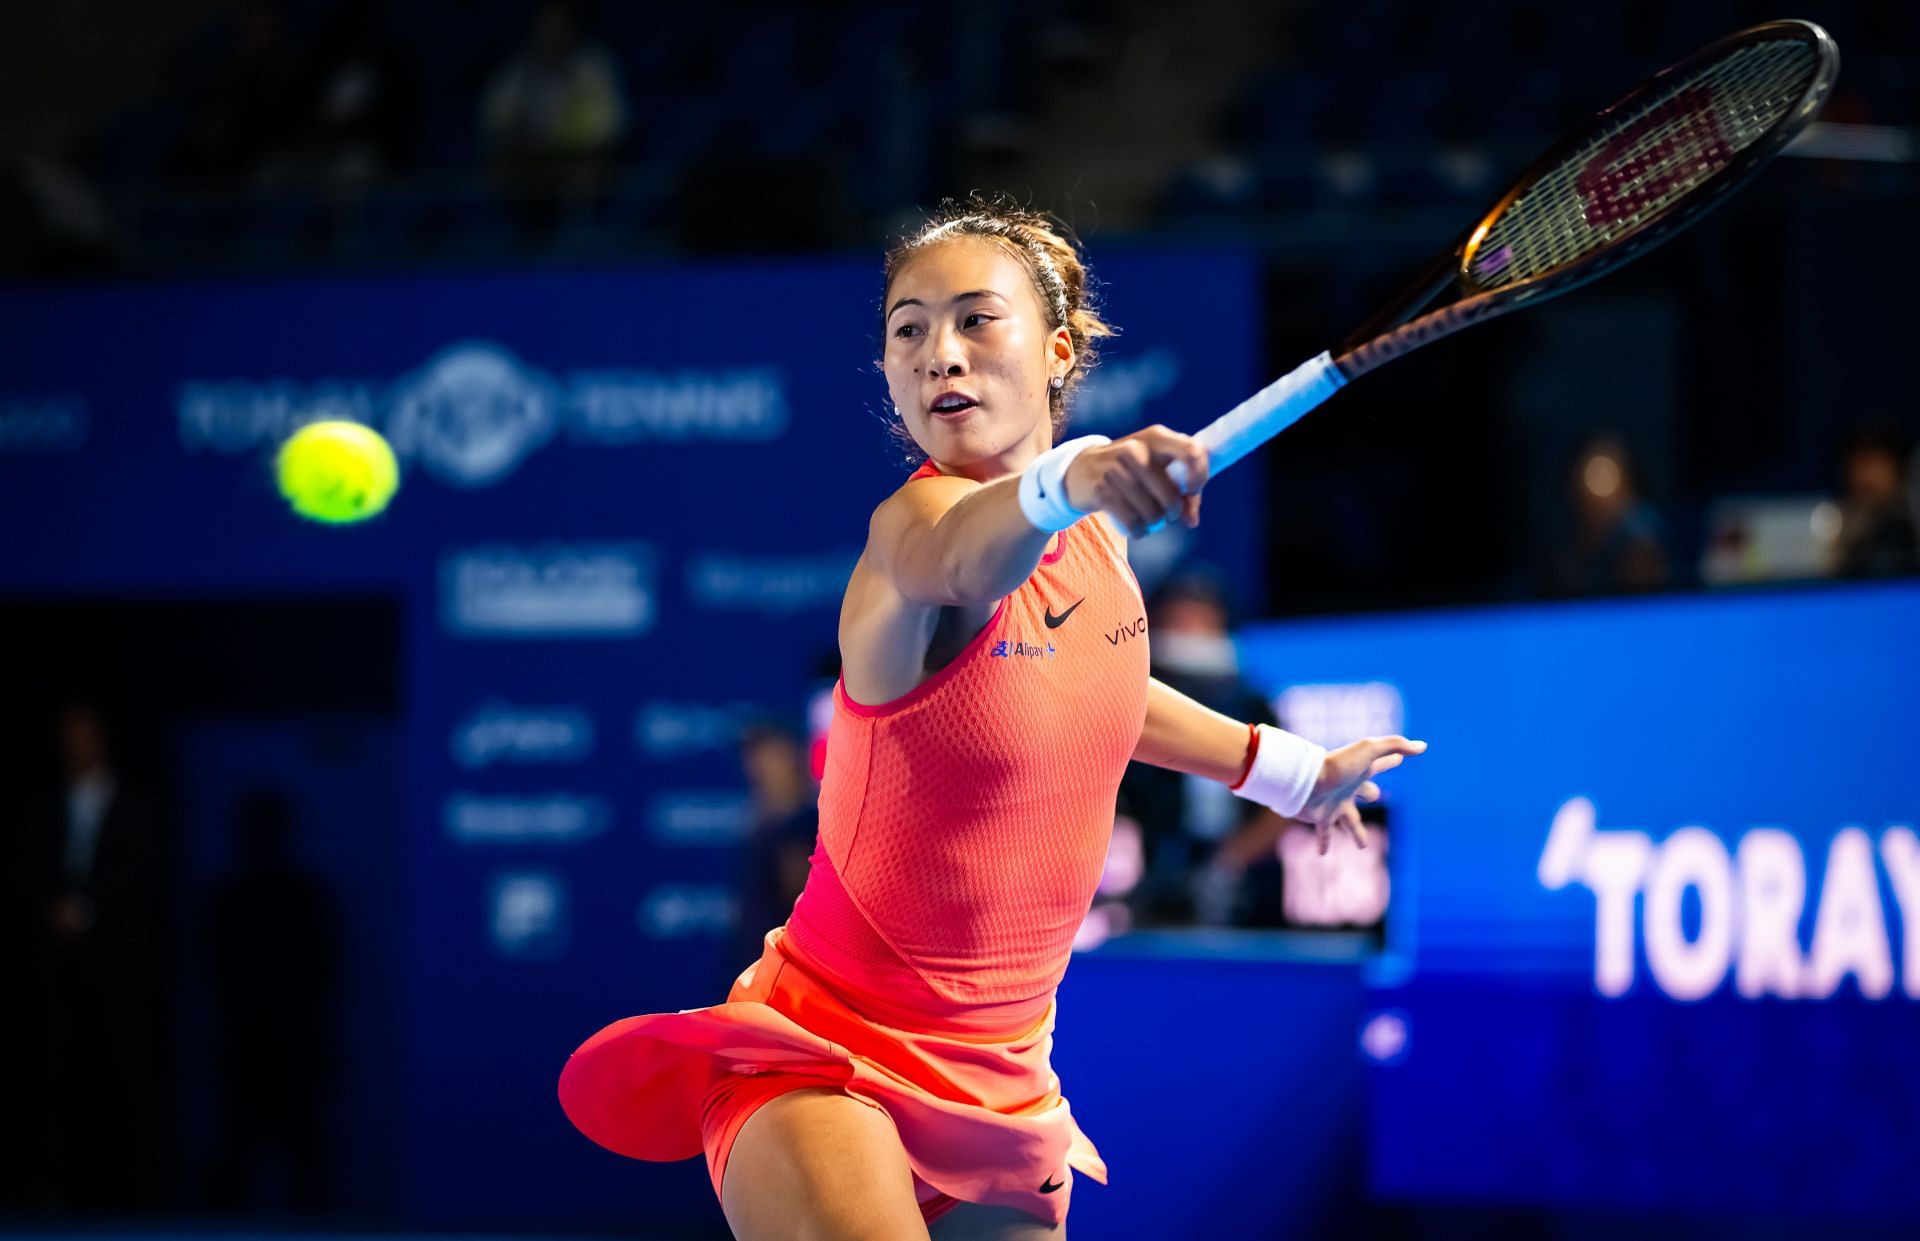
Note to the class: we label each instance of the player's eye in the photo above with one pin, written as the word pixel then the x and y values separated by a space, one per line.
pixel 906 330
pixel 976 317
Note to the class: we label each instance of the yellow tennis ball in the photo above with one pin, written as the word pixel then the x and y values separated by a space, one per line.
pixel 337 471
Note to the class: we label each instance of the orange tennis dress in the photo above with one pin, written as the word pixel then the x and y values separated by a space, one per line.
pixel 963 831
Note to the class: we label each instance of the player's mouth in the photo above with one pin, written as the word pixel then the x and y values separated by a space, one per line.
pixel 951 404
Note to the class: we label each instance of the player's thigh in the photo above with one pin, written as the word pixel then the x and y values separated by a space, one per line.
pixel 975 1221
pixel 817 1164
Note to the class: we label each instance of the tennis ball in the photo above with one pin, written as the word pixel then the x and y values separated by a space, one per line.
pixel 337 471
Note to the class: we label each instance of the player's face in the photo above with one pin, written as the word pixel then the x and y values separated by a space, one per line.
pixel 969 356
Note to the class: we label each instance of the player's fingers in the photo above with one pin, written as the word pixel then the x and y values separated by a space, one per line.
pixel 1125 503
pixel 1356 828
pixel 1199 468
pixel 1322 835
pixel 1151 502
pixel 1191 512
pixel 1368 791
pixel 1187 464
pixel 1386 762
pixel 1396 745
pixel 1165 492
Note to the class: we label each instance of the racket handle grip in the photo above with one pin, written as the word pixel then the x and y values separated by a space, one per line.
pixel 1264 415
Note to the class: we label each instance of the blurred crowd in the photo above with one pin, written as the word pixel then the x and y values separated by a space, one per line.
pixel 285 131
pixel 1616 540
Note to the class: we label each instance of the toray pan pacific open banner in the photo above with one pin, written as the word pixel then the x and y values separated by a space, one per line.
pixel 1654 939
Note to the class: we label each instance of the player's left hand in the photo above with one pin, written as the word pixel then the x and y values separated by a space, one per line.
pixel 1346 781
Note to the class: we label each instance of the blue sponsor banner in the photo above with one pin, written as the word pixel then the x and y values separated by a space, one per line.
pixel 1655 930
pixel 630 503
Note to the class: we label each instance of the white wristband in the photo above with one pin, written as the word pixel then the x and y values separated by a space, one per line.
pixel 1285 769
pixel 1043 486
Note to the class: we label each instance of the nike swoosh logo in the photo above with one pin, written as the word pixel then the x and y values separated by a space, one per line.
pixel 1054 622
pixel 1049 1187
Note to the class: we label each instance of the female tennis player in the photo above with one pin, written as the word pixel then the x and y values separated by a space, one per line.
pixel 883 1070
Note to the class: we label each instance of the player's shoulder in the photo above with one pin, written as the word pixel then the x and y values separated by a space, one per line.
pixel 921 500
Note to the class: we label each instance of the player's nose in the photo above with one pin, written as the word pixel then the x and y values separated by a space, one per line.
pixel 945 355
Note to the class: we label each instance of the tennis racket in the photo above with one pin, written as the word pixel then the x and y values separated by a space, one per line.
pixel 1606 193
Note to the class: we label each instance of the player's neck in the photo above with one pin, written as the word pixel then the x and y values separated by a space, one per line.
pixel 1010 461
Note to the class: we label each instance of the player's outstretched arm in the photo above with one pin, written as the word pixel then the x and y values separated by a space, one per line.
pixel 1289 775
pixel 1187 736
pixel 952 542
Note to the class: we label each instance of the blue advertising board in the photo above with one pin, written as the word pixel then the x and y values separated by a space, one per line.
pixel 1654 938
pixel 630 503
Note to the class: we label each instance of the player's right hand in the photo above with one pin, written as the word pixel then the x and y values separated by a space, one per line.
pixel 1128 480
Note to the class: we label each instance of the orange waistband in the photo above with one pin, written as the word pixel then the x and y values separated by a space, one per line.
pixel 913 1008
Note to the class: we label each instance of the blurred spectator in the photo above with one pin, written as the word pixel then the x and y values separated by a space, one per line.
pixel 552 116
pixel 53 222
pixel 273 962
pixel 98 882
pixel 786 819
pixel 253 110
pixel 1197 838
pixel 358 107
pixel 1619 541
pixel 1878 536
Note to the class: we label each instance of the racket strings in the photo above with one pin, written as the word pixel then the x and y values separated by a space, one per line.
pixel 1631 172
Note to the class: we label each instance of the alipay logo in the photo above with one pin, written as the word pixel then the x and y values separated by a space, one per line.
pixel 501 733
pixel 474 411
pixel 573 590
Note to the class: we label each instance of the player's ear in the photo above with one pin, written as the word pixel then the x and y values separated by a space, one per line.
pixel 1060 351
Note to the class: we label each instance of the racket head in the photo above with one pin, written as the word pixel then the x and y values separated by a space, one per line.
pixel 1641 170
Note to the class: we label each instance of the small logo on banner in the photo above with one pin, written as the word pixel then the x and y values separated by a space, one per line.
pixel 666 730
pixel 1385 1037
pixel 530 915
pixel 572 590
pixel 33 425
pixel 681 911
pixel 472 414
pixel 501 733
pixel 700 817
pixel 553 818
pixel 724 581
pixel 1334 714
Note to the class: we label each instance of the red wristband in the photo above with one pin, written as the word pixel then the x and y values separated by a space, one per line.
pixel 1253 748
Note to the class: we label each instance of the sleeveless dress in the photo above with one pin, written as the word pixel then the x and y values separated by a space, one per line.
pixel 963 832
